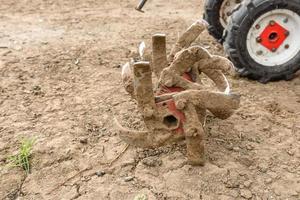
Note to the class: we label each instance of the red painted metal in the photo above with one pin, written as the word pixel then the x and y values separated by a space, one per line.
pixel 164 89
pixel 273 36
pixel 170 104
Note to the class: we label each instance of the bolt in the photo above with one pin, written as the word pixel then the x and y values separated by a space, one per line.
pixel 257 26
pixel 180 104
pixel 272 23
pixel 258 39
pixel 274 49
pixel 286 46
pixel 128 178
pixel 286 33
pixel 259 52
pixel 100 173
pixel 286 20
pixel 148 112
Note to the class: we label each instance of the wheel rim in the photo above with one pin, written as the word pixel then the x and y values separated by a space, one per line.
pixel 273 38
pixel 226 10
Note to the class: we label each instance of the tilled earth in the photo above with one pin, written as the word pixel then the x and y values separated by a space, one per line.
pixel 60 84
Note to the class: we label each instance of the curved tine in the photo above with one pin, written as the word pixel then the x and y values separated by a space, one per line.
pixel 170 79
pixel 127 79
pixel 146 139
pixel 164 136
pixel 132 137
pixel 184 61
pixel 189 36
pixel 220 104
pixel 187 58
pixel 218 78
pixel 216 63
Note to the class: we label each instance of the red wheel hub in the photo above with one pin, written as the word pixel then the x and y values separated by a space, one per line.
pixel 273 36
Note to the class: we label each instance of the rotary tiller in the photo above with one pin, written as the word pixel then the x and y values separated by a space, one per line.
pixel 176 108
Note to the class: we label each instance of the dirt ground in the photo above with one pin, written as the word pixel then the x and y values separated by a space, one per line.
pixel 60 83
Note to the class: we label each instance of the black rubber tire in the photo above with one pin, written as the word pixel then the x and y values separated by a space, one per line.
pixel 212 16
pixel 235 41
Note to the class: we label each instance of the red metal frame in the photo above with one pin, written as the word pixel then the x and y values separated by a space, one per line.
pixel 170 104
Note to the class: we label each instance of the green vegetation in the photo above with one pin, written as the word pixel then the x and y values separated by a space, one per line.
pixel 22 159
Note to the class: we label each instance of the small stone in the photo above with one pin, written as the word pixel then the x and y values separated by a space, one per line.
pixel 247 184
pixel 266 128
pixel 141 197
pixel 249 147
pixel 83 140
pixel 117 66
pixel 252 167
pixel 293 193
pixel 100 173
pixel 247 194
pixel 277 192
pixel 68 151
pixel 268 180
pixel 37 90
pixel 76 62
pixel 128 178
pixel 152 162
pixel 128 162
pixel 234 193
pixel 273 175
pixel 229 147
pixel 115 103
pixel 263 167
pixel 236 148
pixel 290 152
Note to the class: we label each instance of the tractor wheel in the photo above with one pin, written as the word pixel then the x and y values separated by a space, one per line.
pixel 262 39
pixel 217 13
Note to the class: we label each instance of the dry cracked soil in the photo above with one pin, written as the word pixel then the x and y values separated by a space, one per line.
pixel 60 84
